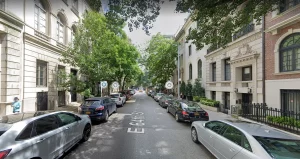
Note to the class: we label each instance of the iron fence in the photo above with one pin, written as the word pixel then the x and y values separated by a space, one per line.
pixel 260 112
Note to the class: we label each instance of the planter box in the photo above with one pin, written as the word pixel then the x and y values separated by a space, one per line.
pixel 214 109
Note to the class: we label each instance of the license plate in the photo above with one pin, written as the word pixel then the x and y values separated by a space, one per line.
pixel 87 112
pixel 196 114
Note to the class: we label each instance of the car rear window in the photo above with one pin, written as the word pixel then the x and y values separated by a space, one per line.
pixel 280 148
pixel 89 103
pixel 159 94
pixel 190 105
pixel 114 96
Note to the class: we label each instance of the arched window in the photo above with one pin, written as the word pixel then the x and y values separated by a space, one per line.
pixel 290 53
pixel 40 16
pixel 60 28
pixel 199 68
pixel 73 31
pixel 190 72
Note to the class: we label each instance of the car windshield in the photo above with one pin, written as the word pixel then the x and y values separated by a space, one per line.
pixel 168 97
pixel 191 105
pixel 89 103
pixel 159 94
pixel 280 148
pixel 114 96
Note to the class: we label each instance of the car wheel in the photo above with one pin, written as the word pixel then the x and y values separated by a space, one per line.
pixel 86 133
pixel 106 116
pixel 177 117
pixel 194 135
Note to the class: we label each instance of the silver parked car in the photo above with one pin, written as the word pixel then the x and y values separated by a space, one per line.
pixel 235 139
pixel 43 134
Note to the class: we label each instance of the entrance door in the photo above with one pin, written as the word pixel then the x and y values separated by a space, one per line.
pixel 246 100
pixel 42 101
pixel 61 98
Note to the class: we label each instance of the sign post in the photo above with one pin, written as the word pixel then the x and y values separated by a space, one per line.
pixel 169 85
pixel 103 85
pixel 115 85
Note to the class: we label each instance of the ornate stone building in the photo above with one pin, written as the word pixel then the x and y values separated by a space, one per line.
pixel 32 35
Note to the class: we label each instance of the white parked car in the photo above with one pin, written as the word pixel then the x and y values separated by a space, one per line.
pixel 43 134
pixel 119 98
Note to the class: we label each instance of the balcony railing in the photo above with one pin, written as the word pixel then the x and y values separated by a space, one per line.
pixel 247 29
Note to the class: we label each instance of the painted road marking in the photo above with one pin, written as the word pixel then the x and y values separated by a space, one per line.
pixel 137 119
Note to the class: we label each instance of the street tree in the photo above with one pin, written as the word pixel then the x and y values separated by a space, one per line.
pixel 162 54
pixel 217 20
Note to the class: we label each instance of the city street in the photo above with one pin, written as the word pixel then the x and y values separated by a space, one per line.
pixel 159 136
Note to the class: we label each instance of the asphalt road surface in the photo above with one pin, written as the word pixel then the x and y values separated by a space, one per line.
pixel 141 130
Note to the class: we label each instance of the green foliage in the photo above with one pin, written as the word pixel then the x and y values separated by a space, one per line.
pixel 68 80
pixel 189 89
pixel 162 53
pixel 87 93
pixel 284 120
pixel 101 53
pixel 216 20
pixel 198 90
pixel 209 102
pixel 196 98
pixel 95 4
pixel 182 88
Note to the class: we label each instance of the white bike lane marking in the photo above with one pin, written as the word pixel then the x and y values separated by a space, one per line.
pixel 137 120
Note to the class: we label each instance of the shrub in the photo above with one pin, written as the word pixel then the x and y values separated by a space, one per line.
pixel 284 121
pixel 182 88
pixel 209 102
pixel 189 89
pixel 198 90
pixel 196 99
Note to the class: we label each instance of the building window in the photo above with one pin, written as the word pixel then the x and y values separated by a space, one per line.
pixel 190 50
pixel 40 14
pixel 60 30
pixel 41 74
pixel 213 95
pixel 247 73
pixel 287 4
pixel 227 71
pixel 227 100
pixel 214 71
pixel 190 72
pixel 199 68
pixel 73 31
pixel 290 100
pixel 75 4
pixel 190 29
pixel 61 71
pixel 2 4
pixel 290 53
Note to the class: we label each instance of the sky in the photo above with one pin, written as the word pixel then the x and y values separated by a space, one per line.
pixel 167 23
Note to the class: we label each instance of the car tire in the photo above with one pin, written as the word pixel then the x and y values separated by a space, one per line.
pixel 194 135
pixel 106 116
pixel 177 117
pixel 86 133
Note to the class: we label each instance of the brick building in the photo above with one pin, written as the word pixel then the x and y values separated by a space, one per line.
pixel 282 56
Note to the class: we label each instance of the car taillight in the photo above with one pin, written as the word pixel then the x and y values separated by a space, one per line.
pixel 184 113
pixel 119 99
pixel 206 114
pixel 4 153
pixel 100 108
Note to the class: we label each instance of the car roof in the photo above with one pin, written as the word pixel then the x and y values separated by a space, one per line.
pixel 256 129
pixel 96 98
pixel 14 118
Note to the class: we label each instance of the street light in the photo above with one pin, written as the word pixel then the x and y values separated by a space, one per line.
pixel 178 73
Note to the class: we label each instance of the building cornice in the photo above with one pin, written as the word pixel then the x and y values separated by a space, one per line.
pixel 275 28
pixel 237 43
pixel 11 20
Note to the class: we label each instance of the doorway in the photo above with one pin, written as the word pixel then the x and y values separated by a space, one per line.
pixel 73 88
pixel 42 101
pixel 246 98
pixel 61 98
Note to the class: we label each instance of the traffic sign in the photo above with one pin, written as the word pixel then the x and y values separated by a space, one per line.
pixel 115 85
pixel 103 84
pixel 169 85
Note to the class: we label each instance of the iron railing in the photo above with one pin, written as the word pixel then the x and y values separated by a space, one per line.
pixel 245 30
pixel 285 120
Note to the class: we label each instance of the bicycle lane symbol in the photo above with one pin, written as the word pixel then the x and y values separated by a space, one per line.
pixel 137 119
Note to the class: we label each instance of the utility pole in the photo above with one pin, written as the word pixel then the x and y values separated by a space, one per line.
pixel 178 73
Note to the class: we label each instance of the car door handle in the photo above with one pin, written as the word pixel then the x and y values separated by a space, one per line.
pixel 231 149
pixel 40 140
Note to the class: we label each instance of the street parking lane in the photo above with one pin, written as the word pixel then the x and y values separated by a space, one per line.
pixel 153 134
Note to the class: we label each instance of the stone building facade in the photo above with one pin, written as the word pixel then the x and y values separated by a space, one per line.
pixel 283 57
pixel 32 35
pixel 234 73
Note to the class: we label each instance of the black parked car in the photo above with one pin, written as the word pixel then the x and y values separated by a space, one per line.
pixel 187 111
pixel 165 100
pixel 98 108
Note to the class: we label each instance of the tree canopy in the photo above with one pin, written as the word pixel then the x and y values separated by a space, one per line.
pixel 217 20
pixel 101 53
pixel 162 54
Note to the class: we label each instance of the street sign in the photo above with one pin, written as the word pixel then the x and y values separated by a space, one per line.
pixel 169 85
pixel 103 84
pixel 115 85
